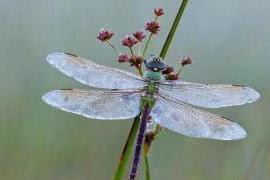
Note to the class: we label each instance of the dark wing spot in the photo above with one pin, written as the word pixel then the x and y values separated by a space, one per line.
pixel 70 54
pixel 237 85
pixel 67 89
pixel 227 119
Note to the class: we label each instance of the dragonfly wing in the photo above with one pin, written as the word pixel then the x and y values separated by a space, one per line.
pixel 186 120
pixel 103 105
pixel 210 96
pixel 92 74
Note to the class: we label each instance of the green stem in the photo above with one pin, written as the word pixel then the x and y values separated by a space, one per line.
pixel 140 71
pixel 127 149
pixel 146 167
pixel 171 34
pixel 133 131
pixel 180 70
pixel 148 40
pixel 113 46
pixel 139 48
pixel 163 53
pixel 131 51
pixel 137 67
pixel 147 45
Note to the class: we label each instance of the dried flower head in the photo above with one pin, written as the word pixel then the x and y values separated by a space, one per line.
pixel 168 70
pixel 158 11
pixel 129 41
pixel 123 57
pixel 139 35
pixel 149 137
pixel 172 76
pixel 136 61
pixel 186 60
pixel 152 26
pixel 104 34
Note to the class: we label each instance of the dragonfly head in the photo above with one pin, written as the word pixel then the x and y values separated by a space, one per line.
pixel 155 64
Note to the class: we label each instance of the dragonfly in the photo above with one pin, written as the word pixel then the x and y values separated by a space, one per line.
pixel 172 104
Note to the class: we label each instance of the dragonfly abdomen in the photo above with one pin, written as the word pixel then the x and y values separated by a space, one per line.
pixel 139 143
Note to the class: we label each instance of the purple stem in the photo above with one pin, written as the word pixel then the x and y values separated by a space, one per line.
pixel 138 148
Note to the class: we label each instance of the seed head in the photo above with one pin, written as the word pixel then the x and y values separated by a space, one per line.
pixel 129 41
pixel 152 26
pixel 139 35
pixel 168 70
pixel 172 76
pixel 158 11
pixel 186 60
pixel 104 34
pixel 136 61
pixel 123 57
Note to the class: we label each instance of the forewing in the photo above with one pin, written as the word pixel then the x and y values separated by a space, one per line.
pixel 186 120
pixel 92 74
pixel 103 105
pixel 210 96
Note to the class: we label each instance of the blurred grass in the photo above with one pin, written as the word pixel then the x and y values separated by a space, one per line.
pixel 229 41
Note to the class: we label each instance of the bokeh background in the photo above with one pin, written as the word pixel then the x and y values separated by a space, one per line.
pixel 229 41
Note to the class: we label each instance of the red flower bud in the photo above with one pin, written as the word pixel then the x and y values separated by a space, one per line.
pixel 129 41
pixel 104 34
pixel 186 60
pixel 139 35
pixel 158 11
pixel 152 26
pixel 123 58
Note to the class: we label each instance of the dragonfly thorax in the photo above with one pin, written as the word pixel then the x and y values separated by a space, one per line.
pixel 153 75
pixel 149 97
pixel 151 88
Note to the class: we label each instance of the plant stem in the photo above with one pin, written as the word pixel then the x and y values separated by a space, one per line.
pixel 131 51
pixel 146 167
pixel 163 53
pixel 135 126
pixel 140 71
pixel 127 149
pixel 180 70
pixel 113 46
pixel 147 45
pixel 171 34
pixel 137 66
pixel 148 40
pixel 139 48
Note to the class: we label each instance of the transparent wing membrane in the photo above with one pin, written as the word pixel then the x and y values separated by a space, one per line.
pixel 210 96
pixel 92 74
pixel 186 120
pixel 107 105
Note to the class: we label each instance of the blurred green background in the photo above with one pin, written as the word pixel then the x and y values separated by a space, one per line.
pixel 229 41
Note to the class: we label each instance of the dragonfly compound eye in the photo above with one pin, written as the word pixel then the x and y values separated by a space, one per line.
pixel 156 59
